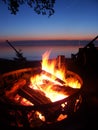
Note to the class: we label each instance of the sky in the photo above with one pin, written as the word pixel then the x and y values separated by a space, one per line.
pixel 72 20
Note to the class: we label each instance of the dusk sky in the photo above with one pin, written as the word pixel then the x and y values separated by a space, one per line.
pixel 73 19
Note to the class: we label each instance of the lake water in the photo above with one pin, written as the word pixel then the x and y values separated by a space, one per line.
pixel 33 50
pixel 36 52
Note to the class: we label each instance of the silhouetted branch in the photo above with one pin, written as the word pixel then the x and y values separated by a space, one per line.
pixel 44 7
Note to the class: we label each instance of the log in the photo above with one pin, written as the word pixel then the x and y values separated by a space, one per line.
pixel 11 93
pixel 34 96
pixel 64 89
pixel 53 76
pixel 37 98
pixel 52 113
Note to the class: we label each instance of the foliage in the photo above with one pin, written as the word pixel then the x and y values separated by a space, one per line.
pixel 44 7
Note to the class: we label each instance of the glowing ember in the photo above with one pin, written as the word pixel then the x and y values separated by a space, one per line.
pixel 40 116
pixel 61 117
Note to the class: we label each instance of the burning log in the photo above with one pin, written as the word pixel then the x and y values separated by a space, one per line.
pixel 13 91
pixel 36 93
pixel 34 96
pixel 53 77
pixel 66 90
pixel 60 85
pixel 37 98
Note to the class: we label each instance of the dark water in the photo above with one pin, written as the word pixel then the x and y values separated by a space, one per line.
pixel 33 50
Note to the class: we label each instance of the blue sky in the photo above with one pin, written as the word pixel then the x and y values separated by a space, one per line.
pixel 73 19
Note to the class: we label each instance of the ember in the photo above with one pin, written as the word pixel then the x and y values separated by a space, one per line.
pixel 51 91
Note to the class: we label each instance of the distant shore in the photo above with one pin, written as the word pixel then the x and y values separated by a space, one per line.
pixel 7 65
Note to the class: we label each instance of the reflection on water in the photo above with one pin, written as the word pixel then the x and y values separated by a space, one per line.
pixel 35 52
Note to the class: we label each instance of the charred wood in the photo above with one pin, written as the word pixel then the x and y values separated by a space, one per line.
pixel 64 89
pixel 34 96
pixel 13 91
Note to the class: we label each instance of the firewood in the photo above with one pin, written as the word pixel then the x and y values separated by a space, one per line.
pixel 37 98
pixel 64 89
pixel 34 96
pixel 53 77
pixel 53 112
pixel 10 93
pixel 60 88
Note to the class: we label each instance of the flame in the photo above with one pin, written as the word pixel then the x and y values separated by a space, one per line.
pixel 50 66
pixel 46 81
pixel 41 83
pixel 73 82
pixel 36 83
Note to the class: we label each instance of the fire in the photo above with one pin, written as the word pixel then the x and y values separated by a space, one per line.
pixel 52 83
pixel 51 66
pixel 37 83
pixel 45 81
pixel 73 82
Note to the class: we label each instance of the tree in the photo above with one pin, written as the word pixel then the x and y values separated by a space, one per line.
pixel 44 7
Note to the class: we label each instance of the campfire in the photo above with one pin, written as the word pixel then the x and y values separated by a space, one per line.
pixel 45 95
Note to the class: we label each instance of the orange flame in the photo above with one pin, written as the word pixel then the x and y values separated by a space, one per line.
pixel 50 66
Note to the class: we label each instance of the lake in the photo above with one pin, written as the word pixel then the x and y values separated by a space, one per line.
pixel 34 50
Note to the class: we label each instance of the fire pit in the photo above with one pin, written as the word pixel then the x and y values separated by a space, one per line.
pixel 33 97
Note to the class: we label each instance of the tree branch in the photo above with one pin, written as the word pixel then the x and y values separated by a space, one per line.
pixel 44 7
